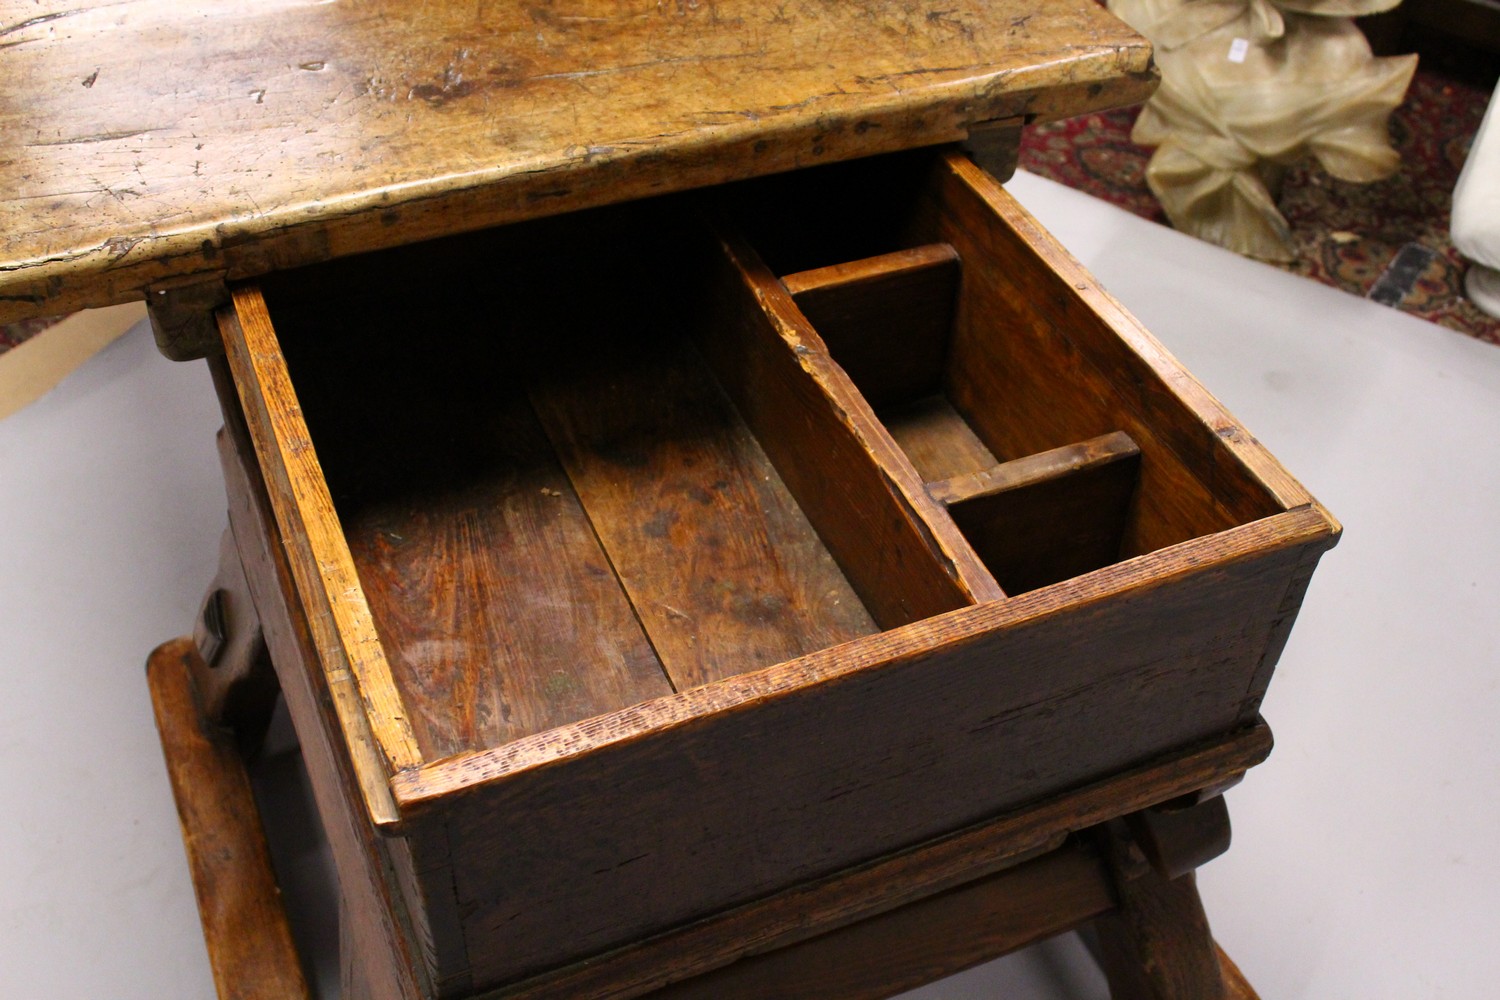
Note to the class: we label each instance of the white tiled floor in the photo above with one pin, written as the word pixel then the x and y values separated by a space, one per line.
pixel 1364 864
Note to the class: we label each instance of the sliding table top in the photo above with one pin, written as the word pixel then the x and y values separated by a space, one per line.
pixel 148 141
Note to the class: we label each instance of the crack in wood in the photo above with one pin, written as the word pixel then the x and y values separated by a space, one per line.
pixel 41 19
pixel 96 137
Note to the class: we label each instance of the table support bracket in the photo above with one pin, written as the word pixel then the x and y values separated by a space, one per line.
pixel 996 146
pixel 182 315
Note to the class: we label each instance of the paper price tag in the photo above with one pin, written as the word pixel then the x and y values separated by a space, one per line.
pixel 1239 49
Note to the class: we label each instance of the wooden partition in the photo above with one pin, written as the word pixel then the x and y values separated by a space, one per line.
pixel 980 341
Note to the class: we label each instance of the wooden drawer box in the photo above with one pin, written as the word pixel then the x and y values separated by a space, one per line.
pixel 659 558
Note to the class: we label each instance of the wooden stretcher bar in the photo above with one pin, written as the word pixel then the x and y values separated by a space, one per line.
pixel 866 934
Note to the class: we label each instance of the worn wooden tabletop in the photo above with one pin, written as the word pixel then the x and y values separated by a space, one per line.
pixel 145 141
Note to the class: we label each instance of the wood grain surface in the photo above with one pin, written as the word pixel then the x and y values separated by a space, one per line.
pixel 498 610
pixel 721 565
pixel 249 941
pixel 900 550
pixel 371 913
pixel 376 723
pixel 885 319
pixel 920 943
pixel 891 882
pixel 1050 516
pixel 1157 944
pixel 1040 356
pixel 1075 364
pixel 147 140
pixel 793 769
pixel 939 442
pixel 648 816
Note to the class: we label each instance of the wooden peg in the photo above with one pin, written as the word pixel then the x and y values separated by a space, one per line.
pixel 1177 837
pixel 996 146
pixel 182 316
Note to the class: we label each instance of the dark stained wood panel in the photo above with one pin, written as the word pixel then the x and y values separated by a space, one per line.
pixel 1050 516
pixel 1042 358
pixel 721 565
pixel 885 319
pixel 899 549
pixel 934 937
pixel 995 845
pixel 1032 704
pixel 500 614
pixel 939 442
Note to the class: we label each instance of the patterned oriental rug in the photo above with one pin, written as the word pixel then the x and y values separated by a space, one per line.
pixel 17 333
pixel 1387 241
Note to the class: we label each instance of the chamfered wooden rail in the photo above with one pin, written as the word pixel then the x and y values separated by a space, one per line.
pixel 250 942
pixel 150 142
pixel 865 934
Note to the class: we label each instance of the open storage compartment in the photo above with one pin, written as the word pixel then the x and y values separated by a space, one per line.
pixel 997 365
pixel 661 558
pixel 552 507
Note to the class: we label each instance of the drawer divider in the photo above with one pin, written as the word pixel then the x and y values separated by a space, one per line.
pixel 884 319
pixel 1049 516
pixel 900 549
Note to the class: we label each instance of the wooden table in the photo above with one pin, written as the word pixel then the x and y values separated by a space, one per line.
pixel 153 144
pixel 213 157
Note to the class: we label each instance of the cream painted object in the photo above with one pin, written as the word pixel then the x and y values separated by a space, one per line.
pixel 31 368
pixel 1476 213
pixel 1250 87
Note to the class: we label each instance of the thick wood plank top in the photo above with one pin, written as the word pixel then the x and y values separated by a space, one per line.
pixel 142 141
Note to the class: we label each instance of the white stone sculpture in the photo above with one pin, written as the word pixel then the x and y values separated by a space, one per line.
pixel 1476 212
pixel 1248 88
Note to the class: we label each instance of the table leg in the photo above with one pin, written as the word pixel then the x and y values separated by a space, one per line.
pixel 244 924
pixel 1156 943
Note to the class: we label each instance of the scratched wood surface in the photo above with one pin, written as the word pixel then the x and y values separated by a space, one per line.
pixel 486 583
pixel 145 140
pixel 722 567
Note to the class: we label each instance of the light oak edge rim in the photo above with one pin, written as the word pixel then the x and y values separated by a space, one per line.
pixel 366 700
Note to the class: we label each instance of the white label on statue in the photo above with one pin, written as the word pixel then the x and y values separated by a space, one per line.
pixel 1239 49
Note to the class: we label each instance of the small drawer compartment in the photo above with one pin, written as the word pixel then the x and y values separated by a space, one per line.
pixel 663 557
pixel 1033 520
pixel 1010 382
